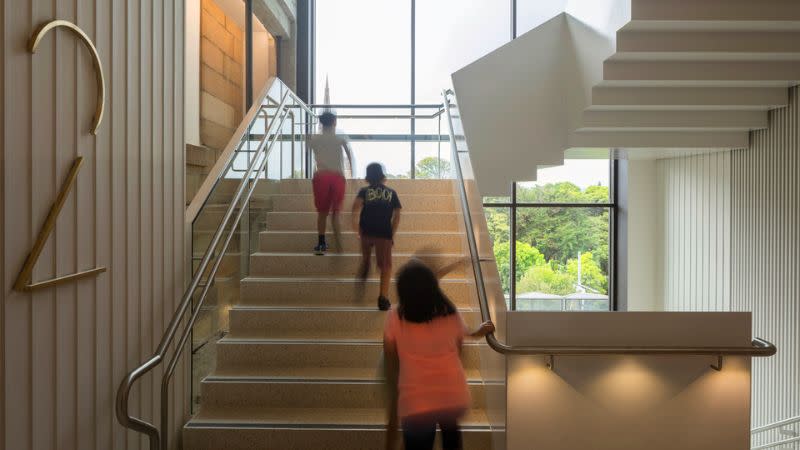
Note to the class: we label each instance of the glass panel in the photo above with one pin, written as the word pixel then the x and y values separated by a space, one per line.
pixel 363 48
pixel 532 13
pixel 562 258
pixel 394 125
pixel 497 222
pixel 284 160
pixel 450 35
pixel 577 181
pixel 433 160
pixel 395 157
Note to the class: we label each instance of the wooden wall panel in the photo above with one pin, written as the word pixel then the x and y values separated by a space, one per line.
pixel 695 223
pixel 765 252
pixel 64 350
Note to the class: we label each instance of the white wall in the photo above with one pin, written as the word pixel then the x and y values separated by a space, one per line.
pixel 695 194
pixel 628 402
pixel 65 349
pixel 644 238
pixel 765 251
pixel 521 103
pixel 732 242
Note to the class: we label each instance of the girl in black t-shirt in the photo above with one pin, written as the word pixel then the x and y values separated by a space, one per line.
pixel 376 216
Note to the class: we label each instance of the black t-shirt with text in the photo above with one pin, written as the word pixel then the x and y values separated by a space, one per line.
pixel 376 215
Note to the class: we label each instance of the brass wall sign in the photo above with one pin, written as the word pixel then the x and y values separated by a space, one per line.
pixel 24 280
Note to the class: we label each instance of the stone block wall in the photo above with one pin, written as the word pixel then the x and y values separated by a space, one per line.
pixel 221 76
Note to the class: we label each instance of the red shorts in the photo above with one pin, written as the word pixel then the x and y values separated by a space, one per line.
pixel 328 191
pixel 383 251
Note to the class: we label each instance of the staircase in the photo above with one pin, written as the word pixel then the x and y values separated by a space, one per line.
pixel 299 368
pixel 670 78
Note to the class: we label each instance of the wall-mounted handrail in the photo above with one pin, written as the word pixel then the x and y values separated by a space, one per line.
pixel 772 426
pixel 758 347
pixel 242 195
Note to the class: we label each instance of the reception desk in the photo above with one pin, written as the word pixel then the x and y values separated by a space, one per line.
pixel 628 401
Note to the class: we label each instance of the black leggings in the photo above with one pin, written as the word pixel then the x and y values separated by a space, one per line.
pixel 419 431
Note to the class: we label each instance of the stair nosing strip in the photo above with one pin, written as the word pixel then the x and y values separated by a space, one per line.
pixel 308 426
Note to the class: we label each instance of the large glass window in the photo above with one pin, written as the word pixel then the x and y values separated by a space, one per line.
pixel 559 230
pixel 363 49
pixel 451 34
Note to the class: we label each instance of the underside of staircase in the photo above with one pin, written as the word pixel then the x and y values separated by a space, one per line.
pixel 299 367
pixel 667 78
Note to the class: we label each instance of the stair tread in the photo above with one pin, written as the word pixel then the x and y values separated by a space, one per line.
pixel 334 279
pixel 355 308
pixel 348 417
pixel 340 374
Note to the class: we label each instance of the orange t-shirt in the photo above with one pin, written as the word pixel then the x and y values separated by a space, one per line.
pixel 431 376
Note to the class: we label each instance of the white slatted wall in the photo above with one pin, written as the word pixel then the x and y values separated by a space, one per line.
pixel 766 256
pixel 695 232
pixel 66 349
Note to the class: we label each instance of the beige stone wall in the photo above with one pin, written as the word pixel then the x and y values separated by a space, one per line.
pixel 221 75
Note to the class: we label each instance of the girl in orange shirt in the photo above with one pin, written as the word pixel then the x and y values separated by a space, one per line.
pixel 422 345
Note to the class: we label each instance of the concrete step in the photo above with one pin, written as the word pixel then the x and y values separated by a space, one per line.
pixel 222 397
pixel 404 241
pixel 211 216
pixel 411 203
pixel 334 265
pixel 307 221
pixel 314 373
pixel 676 72
pixel 229 266
pixel 403 187
pixel 256 355
pixel 732 44
pixel 716 10
pixel 315 323
pixel 201 239
pixel 332 292
pixel 709 120
pixel 251 435
pixel 687 98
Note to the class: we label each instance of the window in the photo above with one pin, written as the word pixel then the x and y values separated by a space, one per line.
pixel 562 235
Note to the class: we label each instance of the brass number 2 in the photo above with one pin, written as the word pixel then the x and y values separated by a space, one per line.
pixel 23 282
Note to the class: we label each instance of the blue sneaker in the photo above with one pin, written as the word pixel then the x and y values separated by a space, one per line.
pixel 320 249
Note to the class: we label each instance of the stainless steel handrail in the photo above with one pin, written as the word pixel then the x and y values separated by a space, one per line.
pixel 758 347
pixel 772 426
pixel 123 393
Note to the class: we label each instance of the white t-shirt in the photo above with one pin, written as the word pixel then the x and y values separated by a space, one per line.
pixel 328 149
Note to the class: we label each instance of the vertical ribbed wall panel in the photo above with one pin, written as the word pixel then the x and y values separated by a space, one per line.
pixel 765 254
pixel 64 350
pixel 695 222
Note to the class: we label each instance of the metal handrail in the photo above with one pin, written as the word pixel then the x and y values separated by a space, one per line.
pixel 158 437
pixel 758 347
pixel 772 426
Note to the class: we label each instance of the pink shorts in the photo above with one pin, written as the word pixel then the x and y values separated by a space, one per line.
pixel 328 191
pixel 383 251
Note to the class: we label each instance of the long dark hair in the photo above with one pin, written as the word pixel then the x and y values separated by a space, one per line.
pixel 421 298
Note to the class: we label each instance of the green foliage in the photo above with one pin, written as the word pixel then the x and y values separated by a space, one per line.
pixel 545 279
pixel 527 257
pixel 550 239
pixel 428 168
